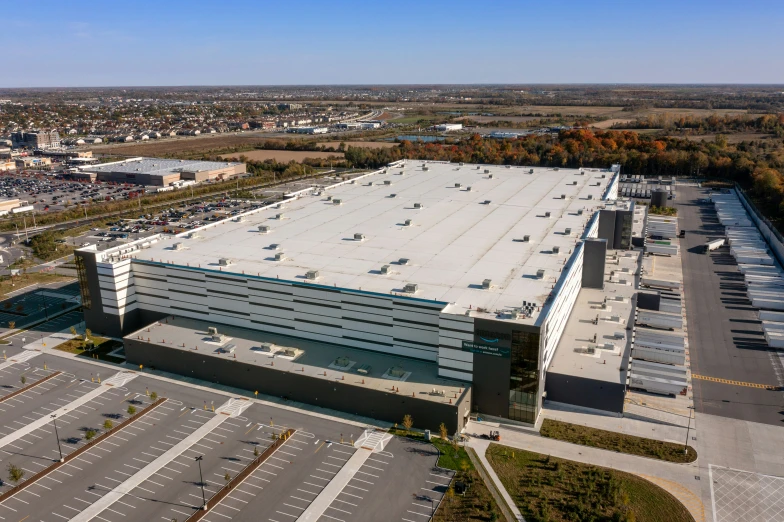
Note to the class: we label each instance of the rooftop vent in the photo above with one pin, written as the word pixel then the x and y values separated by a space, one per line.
pixel 602 176
pixel 579 212
pixel 486 284
pixel 556 249
pixel 211 330
pixel 337 202
pixel 393 195
pixel 425 168
pixel 531 171
pixel 387 182
pixel 239 219
pixel 526 238
pixel 590 196
pixel 461 163
pixel 568 231
pixel 408 223
pixel 274 246
pixel 178 246
pixel 385 269
pixel 266 347
pixel 264 229
pixel 540 273
pixel 468 189
pixel 279 256
pixel 329 198
pixel 224 261
pixel 193 235
pixel 574 183
pixel 487 171
pixel 563 196
pixel 418 205
pixel 279 216
pixel 403 261
pixel 410 288
pixel 486 202
pixel 359 237
pixel 509 166
pixel 547 214
pixel 312 275
pixel 457 185
pixel 478 167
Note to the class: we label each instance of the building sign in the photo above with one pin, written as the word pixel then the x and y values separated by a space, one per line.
pixel 486 349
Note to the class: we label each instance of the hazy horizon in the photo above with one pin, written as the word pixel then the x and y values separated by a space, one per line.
pixel 179 44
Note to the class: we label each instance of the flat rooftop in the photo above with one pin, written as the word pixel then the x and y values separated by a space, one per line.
pixel 456 237
pixel 158 166
pixel 603 357
pixel 311 358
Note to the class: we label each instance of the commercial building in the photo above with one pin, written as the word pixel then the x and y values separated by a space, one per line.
pixel 33 162
pixel 466 272
pixel 159 172
pixel 448 127
pixel 36 139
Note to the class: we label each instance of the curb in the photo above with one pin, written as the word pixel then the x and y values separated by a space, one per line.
pixel 44 472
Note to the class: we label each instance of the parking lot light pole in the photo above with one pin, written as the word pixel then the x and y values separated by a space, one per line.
pixel 57 437
pixel 201 483
pixel 688 426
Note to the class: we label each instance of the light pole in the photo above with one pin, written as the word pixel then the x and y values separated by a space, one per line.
pixel 57 437
pixel 688 426
pixel 201 483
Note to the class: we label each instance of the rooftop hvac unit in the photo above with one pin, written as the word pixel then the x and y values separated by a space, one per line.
pixel 590 196
pixel 359 237
pixel 579 212
pixel 312 275
pixel 547 214
pixel 408 223
pixel 337 202
pixel 194 235
pixel 217 338
pixel 603 175
pixel 490 176
pixel 574 183
pixel 329 198
pixel 568 231
pixel 418 205
pixel 556 249
pixel 393 195
pixel 563 196
pixel 530 171
pixel 526 238
pixel 385 269
pixel 468 189
pixel 264 229
pixel 239 219
pixel 387 182
pixel 266 347
pixel 540 273
pixel 509 166
pixel 478 167
pixel 486 284
pixel 425 168
pixel 461 163
pixel 279 256
pixel 457 185
pixel 410 288
pixel 224 261
pixel 274 246
pixel 364 369
pixel 486 202
pixel 353 181
pixel 178 246
pixel 487 171
pixel 229 348
pixel 279 216
pixel 211 330
pixel 403 261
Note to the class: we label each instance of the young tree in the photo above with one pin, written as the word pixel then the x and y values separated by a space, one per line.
pixel 255 451
pixel 23 379
pixel 15 473
pixel 227 477
pixel 73 331
pixel 131 410
pixel 89 434
pixel 408 422
pixel 153 396
pixel 443 431
pixel 11 325
pixel 107 424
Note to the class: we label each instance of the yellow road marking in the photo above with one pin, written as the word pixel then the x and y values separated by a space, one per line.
pixel 322 444
pixel 251 428
pixel 734 383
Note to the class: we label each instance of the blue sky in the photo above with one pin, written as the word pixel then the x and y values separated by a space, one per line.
pixel 170 42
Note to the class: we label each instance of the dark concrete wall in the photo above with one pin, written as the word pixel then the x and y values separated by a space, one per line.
pixel 587 393
pixel 659 198
pixel 622 239
pixel 606 228
pixel 491 385
pixel 594 258
pixel 349 398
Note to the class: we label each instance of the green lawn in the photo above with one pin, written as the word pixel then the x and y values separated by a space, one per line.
pixel 102 347
pixel 477 505
pixel 619 442
pixel 549 489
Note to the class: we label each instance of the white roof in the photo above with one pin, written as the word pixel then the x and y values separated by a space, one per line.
pixel 454 243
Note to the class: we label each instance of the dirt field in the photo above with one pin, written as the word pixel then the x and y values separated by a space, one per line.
pixel 606 124
pixel 183 144
pixel 282 156
pixel 733 138
pixel 365 144
pixel 487 119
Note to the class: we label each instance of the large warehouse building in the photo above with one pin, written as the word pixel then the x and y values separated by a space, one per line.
pixel 467 273
pixel 159 172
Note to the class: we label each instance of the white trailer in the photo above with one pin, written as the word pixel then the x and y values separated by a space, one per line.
pixel 659 319
pixel 660 356
pixel 713 245
pixel 657 384
pixel 668 250
pixel 768 304
pixel 660 283
pixel 767 315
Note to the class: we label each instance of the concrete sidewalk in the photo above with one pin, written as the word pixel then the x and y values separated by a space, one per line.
pixel 480 447
pixel 677 479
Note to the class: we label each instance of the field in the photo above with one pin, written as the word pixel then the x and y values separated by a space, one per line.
pixel 514 119
pixel 606 124
pixel 282 156
pixel 363 144
pixel 732 138
pixel 550 489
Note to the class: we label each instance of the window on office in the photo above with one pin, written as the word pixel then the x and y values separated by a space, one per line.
pixel 84 289
pixel 524 376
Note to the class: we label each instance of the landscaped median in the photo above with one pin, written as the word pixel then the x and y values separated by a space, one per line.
pixel 241 476
pixel 619 442
pixel 67 458
pixel 33 385
pixel 477 504
pixel 551 489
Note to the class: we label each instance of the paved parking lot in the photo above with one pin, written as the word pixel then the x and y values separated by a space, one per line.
pixel 148 470
pixel 725 337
